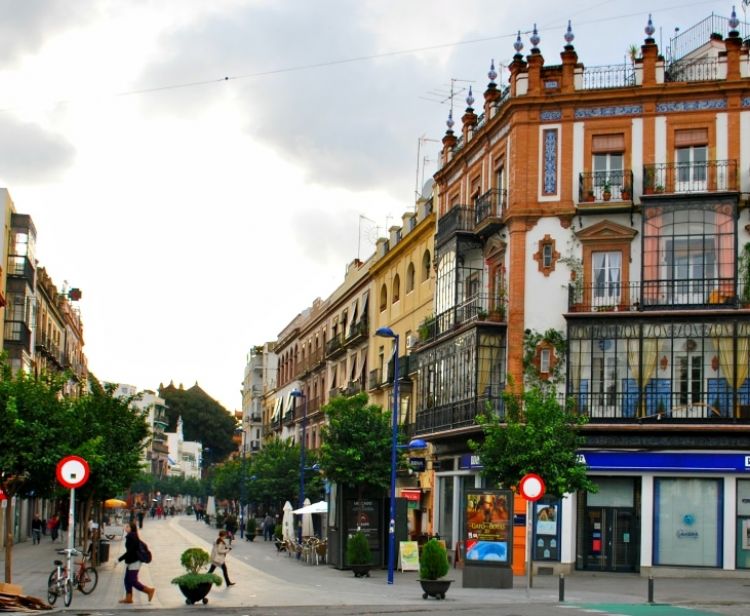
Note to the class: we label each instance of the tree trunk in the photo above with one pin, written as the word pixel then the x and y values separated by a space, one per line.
pixel 8 538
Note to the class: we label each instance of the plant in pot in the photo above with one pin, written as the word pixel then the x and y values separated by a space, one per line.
pixel 433 565
pixel 194 584
pixel 743 272
pixel 358 554
pixel 606 190
pixel 251 527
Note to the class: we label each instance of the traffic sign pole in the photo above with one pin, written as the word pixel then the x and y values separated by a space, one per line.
pixel 72 472
pixel 71 514
pixel 532 488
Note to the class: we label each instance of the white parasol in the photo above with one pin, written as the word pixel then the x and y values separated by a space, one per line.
pixel 287 522
pixel 307 523
pixel 319 507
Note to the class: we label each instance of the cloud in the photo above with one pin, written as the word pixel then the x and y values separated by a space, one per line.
pixel 30 153
pixel 24 26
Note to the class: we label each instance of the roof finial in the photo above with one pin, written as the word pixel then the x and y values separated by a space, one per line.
pixel 535 39
pixel 518 45
pixel 469 100
pixel 449 122
pixel 650 27
pixel 733 21
pixel 569 36
pixel 492 74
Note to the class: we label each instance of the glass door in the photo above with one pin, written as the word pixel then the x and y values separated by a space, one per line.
pixel 611 542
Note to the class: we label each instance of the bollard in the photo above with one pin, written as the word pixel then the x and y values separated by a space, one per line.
pixel 561 588
pixel 650 588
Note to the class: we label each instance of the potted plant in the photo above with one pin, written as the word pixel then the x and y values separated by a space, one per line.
pixel 606 190
pixel 426 327
pixel 433 565
pixel 194 584
pixel 481 314
pixel 251 527
pixel 743 271
pixel 648 181
pixel 590 196
pixel 358 554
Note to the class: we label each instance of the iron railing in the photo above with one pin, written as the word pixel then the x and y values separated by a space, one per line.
pixel 489 205
pixel 714 293
pixel 335 345
pixel 476 308
pixel 707 176
pixel 611 76
pixel 457 414
pixel 703 69
pixel 604 186
pixel 698 35
pixel 459 218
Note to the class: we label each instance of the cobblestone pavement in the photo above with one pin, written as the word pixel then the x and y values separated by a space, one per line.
pixel 271 583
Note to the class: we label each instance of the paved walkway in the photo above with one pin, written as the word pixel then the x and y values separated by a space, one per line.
pixel 265 577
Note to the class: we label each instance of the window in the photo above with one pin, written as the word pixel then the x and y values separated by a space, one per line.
pixel 606 269
pixel 383 298
pixel 410 275
pixel 691 168
pixel 396 288
pixel 426 261
pixel 547 255
pixel 544 361
pixel 608 156
pixel 500 186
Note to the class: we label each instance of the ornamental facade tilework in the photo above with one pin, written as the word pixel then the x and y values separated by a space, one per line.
pixel 550 162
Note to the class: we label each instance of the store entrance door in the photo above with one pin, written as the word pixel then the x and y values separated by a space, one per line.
pixel 611 539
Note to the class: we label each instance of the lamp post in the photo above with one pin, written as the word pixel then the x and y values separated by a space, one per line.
pixel 387 332
pixel 242 484
pixel 296 393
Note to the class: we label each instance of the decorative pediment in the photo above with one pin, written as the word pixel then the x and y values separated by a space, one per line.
pixel 606 230
pixel 494 246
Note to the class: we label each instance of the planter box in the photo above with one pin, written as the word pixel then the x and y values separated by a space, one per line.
pixel 434 588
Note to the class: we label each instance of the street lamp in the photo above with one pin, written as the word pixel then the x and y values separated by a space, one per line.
pixel 242 483
pixel 387 332
pixel 296 393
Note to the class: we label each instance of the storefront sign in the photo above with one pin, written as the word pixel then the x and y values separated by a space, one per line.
pixel 694 462
pixel 418 465
pixel 412 497
pixel 469 461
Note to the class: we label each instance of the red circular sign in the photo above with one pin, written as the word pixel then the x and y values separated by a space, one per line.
pixel 72 471
pixel 532 487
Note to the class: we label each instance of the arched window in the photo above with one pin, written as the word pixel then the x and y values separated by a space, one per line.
pixel 410 278
pixel 396 288
pixel 426 265
pixel 383 298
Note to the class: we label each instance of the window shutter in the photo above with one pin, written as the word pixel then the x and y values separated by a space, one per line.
pixel 690 136
pixel 601 144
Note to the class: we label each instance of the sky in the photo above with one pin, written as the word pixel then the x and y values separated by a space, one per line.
pixel 203 171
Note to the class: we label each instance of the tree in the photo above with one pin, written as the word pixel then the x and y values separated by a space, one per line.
pixel 272 475
pixel 356 448
pixel 204 420
pixel 539 436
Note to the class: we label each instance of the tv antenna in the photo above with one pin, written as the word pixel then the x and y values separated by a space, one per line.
pixel 423 139
pixel 441 96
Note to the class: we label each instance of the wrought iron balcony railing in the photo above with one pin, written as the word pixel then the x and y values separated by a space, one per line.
pixel 714 293
pixel 476 308
pixel 707 176
pixel 457 414
pixel 459 218
pixel 603 187
pixel 612 76
pixel 335 345
pixel 489 205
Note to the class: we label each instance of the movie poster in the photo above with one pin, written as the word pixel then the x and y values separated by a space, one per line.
pixel 489 525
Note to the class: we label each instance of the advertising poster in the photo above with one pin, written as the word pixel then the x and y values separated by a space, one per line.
pixel 363 516
pixel 546 519
pixel 408 555
pixel 488 525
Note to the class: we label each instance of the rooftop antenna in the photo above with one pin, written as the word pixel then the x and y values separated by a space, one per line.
pixel 359 232
pixel 442 97
pixel 420 141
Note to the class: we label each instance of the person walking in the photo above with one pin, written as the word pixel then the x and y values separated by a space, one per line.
pixel 268 528
pixel 36 529
pixel 219 556
pixel 133 565
pixel 53 525
pixel 140 515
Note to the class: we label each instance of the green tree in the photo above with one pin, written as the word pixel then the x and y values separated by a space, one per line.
pixel 356 448
pixel 539 436
pixel 272 474
pixel 36 434
pixel 204 420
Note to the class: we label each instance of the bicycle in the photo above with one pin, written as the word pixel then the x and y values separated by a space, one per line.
pixel 85 577
pixel 60 582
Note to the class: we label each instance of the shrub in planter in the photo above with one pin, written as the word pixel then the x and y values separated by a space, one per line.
pixel 194 584
pixel 358 554
pixel 251 527
pixel 433 564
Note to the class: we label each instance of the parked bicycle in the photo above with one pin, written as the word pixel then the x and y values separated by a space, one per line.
pixel 85 577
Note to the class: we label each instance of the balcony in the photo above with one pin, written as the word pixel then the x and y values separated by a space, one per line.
pixel 357 333
pixel 699 177
pixel 700 69
pixel 482 308
pixel 459 414
pixel 335 346
pixel 488 211
pixel 613 188
pixel 353 388
pixel 693 293
pixel 459 218
pixel 375 379
pixel 20 266
pixel 610 76
pixel 17 333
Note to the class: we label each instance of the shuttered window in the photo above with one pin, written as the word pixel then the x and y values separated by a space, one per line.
pixel 690 136
pixel 608 143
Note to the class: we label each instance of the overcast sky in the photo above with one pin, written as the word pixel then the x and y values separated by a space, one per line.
pixel 200 214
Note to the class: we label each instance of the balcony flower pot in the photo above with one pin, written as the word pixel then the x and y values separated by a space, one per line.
pixel 195 585
pixel 358 555
pixel 433 565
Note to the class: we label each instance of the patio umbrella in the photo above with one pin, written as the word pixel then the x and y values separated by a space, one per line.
pixel 211 506
pixel 287 522
pixel 113 503
pixel 319 507
pixel 307 523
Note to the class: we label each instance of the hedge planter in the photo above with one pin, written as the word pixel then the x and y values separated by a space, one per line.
pixel 196 593
pixel 361 570
pixel 435 588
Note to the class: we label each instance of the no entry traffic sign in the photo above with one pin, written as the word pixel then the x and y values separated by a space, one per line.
pixel 72 471
pixel 532 487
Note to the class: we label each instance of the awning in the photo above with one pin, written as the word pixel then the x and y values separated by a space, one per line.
pixel 276 409
pixel 171 461
pixel 319 507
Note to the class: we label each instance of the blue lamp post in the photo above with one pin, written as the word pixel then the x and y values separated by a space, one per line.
pixel 387 332
pixel 296 393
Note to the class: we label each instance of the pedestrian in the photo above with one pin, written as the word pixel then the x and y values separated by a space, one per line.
pixel 268 527
pixel 53 525
pixel 133 565
pixel 36 529
pixel 219 556
pixel 141 515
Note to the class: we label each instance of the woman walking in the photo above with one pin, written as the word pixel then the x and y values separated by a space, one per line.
pixel 133 565
pixel 219 556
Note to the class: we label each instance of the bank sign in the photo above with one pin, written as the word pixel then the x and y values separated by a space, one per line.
pixel 693 462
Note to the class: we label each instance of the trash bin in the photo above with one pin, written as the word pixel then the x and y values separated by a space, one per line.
pixel 103 551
